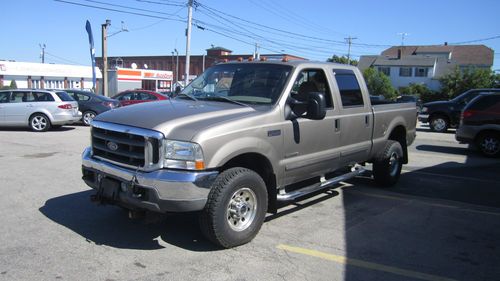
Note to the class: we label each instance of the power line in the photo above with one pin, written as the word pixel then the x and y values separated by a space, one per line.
pixel 476 40
pixel 132 8
pixel 62 59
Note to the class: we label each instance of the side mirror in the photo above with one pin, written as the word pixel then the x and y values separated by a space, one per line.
pixel 313 108
pixel 316 106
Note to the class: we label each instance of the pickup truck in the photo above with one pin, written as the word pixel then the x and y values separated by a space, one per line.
pixel 242 139
pixel 442 115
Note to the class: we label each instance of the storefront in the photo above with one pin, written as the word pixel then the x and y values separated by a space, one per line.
pixel 121 79
pixel 47 76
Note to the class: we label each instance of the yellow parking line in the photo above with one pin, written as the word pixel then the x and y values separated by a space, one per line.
pixel 363 264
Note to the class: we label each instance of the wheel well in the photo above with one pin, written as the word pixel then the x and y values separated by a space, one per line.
pixel 439 113
pixel 399 134
pixel 29 118
pixel 262 166
pixel 484 132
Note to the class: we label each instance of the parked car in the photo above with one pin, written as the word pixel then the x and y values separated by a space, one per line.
pixel 38 109
pixel 442 115
pixel 271 133
pixel 138 96
pixel 91 104
pixel 480 124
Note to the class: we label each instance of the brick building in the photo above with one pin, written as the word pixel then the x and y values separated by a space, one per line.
pixel 197 62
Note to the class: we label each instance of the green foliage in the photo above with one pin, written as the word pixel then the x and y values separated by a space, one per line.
pixel 459 81
pixel 13 84
pixel 422 91
pixel 342 60
pixel 379 84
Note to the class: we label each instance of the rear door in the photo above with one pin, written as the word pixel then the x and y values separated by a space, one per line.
pixel 355 118
pixel 4 98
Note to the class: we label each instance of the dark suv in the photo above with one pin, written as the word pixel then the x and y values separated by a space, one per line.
pixel 480 124
pixel 442 115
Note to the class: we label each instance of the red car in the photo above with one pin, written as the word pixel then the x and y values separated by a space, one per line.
pixel 138 96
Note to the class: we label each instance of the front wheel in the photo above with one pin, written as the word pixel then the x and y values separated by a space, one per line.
pixel 87 117
pixel 489 144
pixel 235 209
pixel 387 167
pixel 439 124
pixel 39 122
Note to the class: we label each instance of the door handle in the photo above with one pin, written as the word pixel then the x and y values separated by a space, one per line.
pixel 337 125
pixel 29 105
pixel 367 120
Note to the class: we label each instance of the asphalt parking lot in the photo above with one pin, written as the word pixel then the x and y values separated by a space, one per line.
pixel 440 222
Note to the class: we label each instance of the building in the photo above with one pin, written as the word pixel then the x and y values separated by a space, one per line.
pixel 121 79
pixel 426 64
pixel 47 76
pixel 176 63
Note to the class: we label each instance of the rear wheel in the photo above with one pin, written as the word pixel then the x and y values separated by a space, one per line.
pixel 87 117
pixel 489 144
pixel 439 123
pixel 235 209
pixel 387 168
pixel 39 122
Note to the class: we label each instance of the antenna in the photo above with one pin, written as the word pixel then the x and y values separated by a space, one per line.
pixel 403 35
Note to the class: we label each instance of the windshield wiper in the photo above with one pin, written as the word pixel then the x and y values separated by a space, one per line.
pixel 224 99
pixel 189 96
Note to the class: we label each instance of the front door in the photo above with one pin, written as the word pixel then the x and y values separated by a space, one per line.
pixel 4 98
pixel 17 111
pixel 311 146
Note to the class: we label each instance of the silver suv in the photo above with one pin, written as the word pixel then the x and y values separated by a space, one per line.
pixel 39 109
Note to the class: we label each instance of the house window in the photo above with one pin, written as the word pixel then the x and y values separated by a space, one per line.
pixel 385 70
pixel 421 71
pixel 405 71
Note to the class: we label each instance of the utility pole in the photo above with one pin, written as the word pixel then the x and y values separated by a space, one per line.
pixel 256 54
pixel 188 40
pixel 349 41
pixel 42 54
pixel 403 35
pixel 176 66
pixel 105 57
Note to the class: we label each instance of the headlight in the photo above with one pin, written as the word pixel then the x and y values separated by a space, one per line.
pixel 424 109
pixel 183 155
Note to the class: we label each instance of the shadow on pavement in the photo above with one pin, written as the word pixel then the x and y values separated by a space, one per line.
pixel 446 149
pixel 109 225
pixel 26 129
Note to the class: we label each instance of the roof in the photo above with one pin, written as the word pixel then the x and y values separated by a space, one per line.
pixel 47 70
pixel 405 61
pixel 460 54
pixel 219 49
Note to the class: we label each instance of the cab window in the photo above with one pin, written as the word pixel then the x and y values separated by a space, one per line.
pixel 309 81
pixel 350 92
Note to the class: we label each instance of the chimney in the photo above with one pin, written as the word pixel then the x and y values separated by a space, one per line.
pixel 400 53
pixel 446 43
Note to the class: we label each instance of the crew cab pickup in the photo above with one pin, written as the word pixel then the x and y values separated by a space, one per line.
pixel 243 137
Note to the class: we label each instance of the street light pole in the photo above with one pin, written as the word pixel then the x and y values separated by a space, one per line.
pixel 188 40
pixel 105 57
pixel 176 66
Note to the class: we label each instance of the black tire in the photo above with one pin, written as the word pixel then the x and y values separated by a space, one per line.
pixel 236 208
pixel 88 116
pixel 39 122
pixel 387 167
pixel 439 123
pixel 489 144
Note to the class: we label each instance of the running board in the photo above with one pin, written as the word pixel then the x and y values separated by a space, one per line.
pixel 290 196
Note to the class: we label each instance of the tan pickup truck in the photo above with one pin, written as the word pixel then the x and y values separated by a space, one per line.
pixel 243 137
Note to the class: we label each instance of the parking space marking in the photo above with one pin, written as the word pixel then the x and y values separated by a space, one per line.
pixel 450 176
pixel 363 264
pixel 402 198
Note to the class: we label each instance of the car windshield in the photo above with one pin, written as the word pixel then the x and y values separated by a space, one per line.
pixel 64 96
pixel 242 83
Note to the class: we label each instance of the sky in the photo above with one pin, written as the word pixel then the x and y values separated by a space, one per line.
pixel 313 29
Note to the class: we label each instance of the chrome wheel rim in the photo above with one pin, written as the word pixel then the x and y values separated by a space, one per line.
pixel 490 145
pixel 88 117
pixel 241 209
pixel 439 124
pixel 39 123
pixel 394 164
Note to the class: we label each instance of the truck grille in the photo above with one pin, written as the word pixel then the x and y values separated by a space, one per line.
pixel 126 146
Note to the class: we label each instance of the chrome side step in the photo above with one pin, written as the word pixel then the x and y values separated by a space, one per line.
pixel 290 196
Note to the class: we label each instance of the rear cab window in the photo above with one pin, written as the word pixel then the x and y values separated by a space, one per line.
pixel 350 91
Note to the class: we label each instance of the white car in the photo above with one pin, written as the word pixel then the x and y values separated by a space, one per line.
pixel 38 109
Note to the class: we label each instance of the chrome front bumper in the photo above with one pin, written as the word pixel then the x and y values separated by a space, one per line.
pixel 160 191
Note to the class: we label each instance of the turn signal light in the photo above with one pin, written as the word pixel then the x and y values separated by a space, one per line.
pixel 65 106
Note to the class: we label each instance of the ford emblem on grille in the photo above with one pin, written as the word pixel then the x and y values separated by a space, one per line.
pixel 112 145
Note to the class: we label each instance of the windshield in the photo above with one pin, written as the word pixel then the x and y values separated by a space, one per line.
pixel 244 83
pixel 64 96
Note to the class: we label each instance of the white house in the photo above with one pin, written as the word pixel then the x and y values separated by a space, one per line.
pixel 426 64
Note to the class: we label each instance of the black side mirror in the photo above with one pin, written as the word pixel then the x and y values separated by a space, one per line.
pixel 313 108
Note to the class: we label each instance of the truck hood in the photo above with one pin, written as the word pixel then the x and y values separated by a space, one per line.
pixel 176 119
pixel 437 103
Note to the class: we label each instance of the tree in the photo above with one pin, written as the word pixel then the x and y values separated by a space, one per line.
pixel 459 81
pixel 421 91
pixel 13 84
pixel 342 60
pixel 379 84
